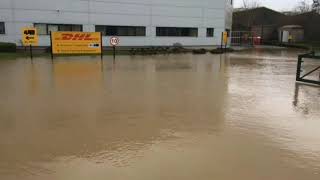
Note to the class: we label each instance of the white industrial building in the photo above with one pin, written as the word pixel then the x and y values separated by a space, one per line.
pixel 135 22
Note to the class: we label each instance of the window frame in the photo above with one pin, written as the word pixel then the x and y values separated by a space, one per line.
pixel 3 24
pixel 209 33
pixel 177 32
pixel 59 27
pixel 114 29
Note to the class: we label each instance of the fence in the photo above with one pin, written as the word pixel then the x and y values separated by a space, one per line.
pixel 244 38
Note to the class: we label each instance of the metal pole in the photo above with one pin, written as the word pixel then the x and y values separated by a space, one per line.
pixel 51 50
pixel 226 45
pixel 101 46
pixel 221 41
pixel 298 75
pixel 114 52
pixel 31 55
pixel 252 39
pixel 315 69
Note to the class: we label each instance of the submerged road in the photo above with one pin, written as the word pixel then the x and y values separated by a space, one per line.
pixel 239 116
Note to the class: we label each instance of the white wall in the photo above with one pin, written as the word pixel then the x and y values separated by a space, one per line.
pixel 150 13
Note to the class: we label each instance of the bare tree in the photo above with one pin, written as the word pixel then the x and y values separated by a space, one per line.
pixel 303 7
pixel 316 5
pixel 250 4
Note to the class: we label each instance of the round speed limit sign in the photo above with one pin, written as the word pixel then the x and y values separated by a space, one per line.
pixel 114 41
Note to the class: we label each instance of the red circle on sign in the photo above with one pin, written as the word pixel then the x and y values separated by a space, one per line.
pixel 114 41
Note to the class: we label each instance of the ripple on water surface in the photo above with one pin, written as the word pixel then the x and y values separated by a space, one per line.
pixel 234 116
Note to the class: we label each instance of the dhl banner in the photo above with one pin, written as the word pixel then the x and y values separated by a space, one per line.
pixel 76 42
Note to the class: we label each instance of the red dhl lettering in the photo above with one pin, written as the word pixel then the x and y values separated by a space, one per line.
pixel 75 37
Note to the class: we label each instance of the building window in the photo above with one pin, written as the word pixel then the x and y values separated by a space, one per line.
pixel 41 28
pixel 2 28
pixel 52 28
pixel 121 30
pixel 210 32
pixel 177 32
pixel 45 29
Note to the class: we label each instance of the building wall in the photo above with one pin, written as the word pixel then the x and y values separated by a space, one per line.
pixel 229 14
pixel 266 32
pixel 201 14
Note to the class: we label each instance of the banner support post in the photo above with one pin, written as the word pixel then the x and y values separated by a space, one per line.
pixel 114 52
pixel 31 55
pixel 222 41
pixel 51 50
pixel 101 46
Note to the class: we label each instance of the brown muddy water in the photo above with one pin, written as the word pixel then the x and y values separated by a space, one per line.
pixel 239 116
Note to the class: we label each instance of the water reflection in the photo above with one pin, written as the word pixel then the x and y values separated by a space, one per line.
pixel 305 100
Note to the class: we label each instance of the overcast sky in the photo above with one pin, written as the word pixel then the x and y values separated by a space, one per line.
pixel 275 4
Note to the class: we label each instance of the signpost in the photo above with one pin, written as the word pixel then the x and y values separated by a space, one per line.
pixel 30 38
pixel 114 41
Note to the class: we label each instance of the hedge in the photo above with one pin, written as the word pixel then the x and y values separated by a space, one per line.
pixel 7 47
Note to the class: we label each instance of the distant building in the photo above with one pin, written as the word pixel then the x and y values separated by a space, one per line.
pixel 262 21
pixel 265 23
pixel 310 21
pixel 136 22
pixel 291 33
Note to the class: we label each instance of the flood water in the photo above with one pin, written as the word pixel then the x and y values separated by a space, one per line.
pixel 239 116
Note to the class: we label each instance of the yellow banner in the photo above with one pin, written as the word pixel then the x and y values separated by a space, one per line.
pixel 30 36
pixel 76 42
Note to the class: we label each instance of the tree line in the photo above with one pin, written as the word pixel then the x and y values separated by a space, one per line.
pixel 303 6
